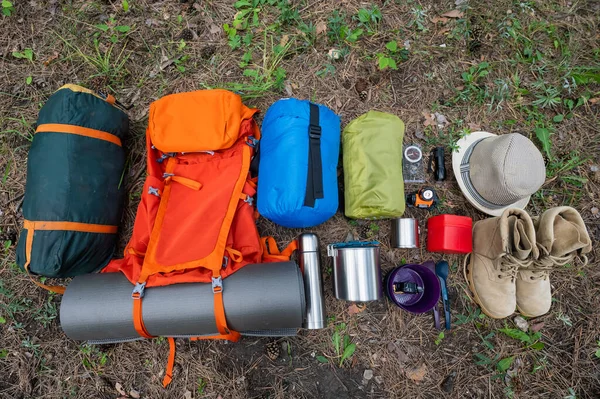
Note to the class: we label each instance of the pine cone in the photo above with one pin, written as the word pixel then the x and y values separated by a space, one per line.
pixel 474 44
pixel 186 35
pixel 207 52
pixel 362 88
pixel 98 83
pixel 273 350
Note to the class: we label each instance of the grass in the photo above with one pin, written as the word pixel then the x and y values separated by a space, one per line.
pixel 507 66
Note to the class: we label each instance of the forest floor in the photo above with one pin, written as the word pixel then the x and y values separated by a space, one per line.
pixel 446 68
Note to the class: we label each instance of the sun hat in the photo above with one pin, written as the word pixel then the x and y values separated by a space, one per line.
pixel 498 172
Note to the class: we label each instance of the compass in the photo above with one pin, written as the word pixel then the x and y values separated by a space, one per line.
pixel 413 154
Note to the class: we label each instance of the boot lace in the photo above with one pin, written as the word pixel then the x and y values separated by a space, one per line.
pixel 546 263
pixel 509 265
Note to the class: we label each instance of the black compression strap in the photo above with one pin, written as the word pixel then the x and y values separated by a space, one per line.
pixel 314 179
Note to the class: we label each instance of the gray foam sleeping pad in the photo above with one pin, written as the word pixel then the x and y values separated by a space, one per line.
pixel 99 307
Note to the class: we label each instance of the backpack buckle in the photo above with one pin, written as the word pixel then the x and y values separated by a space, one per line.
pixel 165 156
pixel 249 200
pixel 153 191
pixel 314 131
pixel 252 141
pixel 138 290
pixel 217 285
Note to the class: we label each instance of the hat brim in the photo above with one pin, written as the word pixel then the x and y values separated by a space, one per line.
pixel 457 156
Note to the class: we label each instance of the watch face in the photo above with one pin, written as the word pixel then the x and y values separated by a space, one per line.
pixel 427 194
pixel 413 154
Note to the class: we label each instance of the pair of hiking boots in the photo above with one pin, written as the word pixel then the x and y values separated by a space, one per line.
pixel 513 255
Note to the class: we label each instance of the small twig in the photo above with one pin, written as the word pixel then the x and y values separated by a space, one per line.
pixel 17 198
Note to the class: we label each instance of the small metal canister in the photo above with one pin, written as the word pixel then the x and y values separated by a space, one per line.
pixel 405 233
pixel 356 271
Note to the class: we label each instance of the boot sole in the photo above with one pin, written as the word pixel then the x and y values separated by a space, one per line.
pixel 469 274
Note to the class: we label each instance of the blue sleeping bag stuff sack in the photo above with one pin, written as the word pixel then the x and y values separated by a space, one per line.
pixel 297 134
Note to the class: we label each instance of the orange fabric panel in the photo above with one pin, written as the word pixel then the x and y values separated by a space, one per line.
pixel 207 120
pixel 79 130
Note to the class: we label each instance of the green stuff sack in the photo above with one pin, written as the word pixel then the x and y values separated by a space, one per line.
pixel 74 194
pixel 372 150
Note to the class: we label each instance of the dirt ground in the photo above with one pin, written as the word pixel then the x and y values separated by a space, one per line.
pixel 504 66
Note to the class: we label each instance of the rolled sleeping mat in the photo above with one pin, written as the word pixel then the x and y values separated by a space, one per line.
pixel 258 297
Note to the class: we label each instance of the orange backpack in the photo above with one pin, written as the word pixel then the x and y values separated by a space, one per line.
pixel 196 219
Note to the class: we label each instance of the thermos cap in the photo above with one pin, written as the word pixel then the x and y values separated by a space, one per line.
pixel 308 242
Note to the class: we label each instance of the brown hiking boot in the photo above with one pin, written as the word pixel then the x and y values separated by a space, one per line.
pixel 501 245
pixel 561 236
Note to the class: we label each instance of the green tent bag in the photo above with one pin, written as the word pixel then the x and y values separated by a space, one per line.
pixel 372 150
pixel 74 194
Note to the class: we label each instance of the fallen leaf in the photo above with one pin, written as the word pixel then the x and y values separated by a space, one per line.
pixel 152 22
pixel 440 120
pixel 444 31
pixel 284 40
pixel 120 389
pixel 435 20
pixel 214 28
pixel 429 119
pixel 512 372
pixel 355 309
pixel 401 356
pixel 453 14
pixel 51 58
pixel 334 54
pixel 288 88
pixel 474 127
pixel 163 65
pixel 594 100
pixel 595 211
pixel 417 374
pixel 521 323
pixel 187 395
pixel 536 327
pixel 338 103
pixel 321 27
pixel 134 394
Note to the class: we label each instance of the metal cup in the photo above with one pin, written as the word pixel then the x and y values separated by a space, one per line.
pixel 356 271
pixel 405 233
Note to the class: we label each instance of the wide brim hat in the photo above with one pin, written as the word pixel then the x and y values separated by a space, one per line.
pixel 498 172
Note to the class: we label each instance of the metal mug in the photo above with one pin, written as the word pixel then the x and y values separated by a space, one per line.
pixel 405 233
pixel 356 271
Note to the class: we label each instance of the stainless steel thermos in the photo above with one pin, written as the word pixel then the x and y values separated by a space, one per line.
pixel 405 233
pixel 356 271
pixel 310 264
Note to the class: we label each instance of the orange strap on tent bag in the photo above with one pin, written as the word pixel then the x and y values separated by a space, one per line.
pixel 33 226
